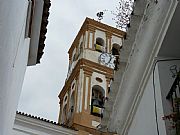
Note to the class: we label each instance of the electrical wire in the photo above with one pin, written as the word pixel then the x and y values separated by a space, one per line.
pixel 154 90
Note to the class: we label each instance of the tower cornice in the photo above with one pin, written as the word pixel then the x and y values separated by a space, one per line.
pixel 91 25
pixel 88 67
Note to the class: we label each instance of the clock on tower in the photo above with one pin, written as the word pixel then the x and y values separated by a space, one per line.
pixel 91 67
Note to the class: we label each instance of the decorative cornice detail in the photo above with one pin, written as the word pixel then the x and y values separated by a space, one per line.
pixel 91 25
pixel 90 28
pixel 87 71
pixel 108 34
pixel 88 67
pixel 43 31
pixel 105 27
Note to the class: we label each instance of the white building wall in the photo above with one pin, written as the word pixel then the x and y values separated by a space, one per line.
pixel 166 81
pixel 144 49
pixel 88 55
pixel 13 59
pixel 26 125
pixel 144 121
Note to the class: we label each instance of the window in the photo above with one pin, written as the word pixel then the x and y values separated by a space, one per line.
pixel 80 48
pixel 99 46
pixel 72 103
pixel 75 57
pixel 73 86
pixel 97 101
pixel 99 79
pixel 65 99
pixel 64 114
pixel 116 49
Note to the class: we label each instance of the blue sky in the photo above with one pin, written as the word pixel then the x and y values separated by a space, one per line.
pixel 44 81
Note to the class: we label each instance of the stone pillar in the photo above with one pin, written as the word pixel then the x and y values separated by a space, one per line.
pixel 87 89
pixel 108 42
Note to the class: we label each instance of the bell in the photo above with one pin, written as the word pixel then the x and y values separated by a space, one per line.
pixel 96 103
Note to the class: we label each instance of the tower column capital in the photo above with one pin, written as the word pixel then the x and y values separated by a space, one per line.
pixel 90 28
pixel 88 72
pixel 108 34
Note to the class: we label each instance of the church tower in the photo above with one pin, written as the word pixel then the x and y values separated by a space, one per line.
pixel 92 60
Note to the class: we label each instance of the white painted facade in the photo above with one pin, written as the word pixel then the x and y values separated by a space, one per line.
pixel 16 51
pixel 152 42
pixel 28 125
pixel 144 121
pixel 92 59
pixel 91 55
pixel 88 51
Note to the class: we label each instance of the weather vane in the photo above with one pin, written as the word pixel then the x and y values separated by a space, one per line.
pixel 100 14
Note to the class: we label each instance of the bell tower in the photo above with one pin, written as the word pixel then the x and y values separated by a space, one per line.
pixel 92 60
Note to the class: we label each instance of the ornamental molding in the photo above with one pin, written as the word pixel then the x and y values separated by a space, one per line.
pixel 88 67
pixel 91 25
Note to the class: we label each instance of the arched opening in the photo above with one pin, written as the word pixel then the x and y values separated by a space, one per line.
pixel 97 101
pixel 116 49
pixel 71 109
pixel 116 52
pixel 100 41
pixel 64 114
pixel 72 103
pixel 99 46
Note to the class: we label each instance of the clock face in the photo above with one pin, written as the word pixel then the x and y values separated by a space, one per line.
pixel 107 60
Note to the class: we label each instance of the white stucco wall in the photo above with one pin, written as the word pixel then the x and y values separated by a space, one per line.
pixel 144 121
pixel 145 46
pixel 13 59
pixel 25 125
pixel 91 55
pixel 166 81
